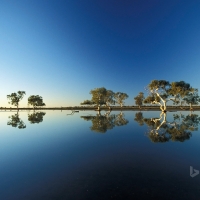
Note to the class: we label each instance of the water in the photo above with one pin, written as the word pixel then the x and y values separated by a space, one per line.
pixel 85 156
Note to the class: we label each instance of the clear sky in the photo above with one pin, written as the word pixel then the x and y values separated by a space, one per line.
pixel 61 49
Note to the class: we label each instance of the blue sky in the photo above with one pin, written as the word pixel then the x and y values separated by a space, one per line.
pixel 63 49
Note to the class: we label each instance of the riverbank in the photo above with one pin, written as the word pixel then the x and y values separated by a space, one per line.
pixel 127 108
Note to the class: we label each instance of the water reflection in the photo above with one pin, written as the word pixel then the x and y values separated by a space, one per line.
pixel 160 130
pixel 102 123
pixel 15 121
pixel 36 117
pixel 78 164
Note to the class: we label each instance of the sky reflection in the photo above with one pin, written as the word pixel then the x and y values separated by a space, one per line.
pixel 62 157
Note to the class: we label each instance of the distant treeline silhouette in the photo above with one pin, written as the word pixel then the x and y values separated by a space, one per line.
pixel 160 92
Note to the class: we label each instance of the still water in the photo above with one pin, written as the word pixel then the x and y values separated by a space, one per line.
pixel 94 156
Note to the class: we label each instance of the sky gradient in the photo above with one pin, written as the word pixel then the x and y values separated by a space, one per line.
pixel 61 50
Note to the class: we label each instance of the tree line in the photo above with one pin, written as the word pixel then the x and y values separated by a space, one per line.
pixel 33 100
pixel 160 92
pixel 102 96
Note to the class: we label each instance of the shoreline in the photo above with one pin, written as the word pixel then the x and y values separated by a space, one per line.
pixel 113 108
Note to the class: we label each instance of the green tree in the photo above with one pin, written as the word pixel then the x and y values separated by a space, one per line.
pixel 98 96
pixel 15 98
pixel 15 121
pixel 192 98
pixel 161 91
pixel 109 98
pixel 36 117
pixel 35 100
pixel 120 97
pixel 139 99
pixel 87 102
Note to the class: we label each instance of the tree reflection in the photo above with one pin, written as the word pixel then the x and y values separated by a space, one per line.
pixel 102 123
pixel 36 117
pixel 160 130
pixel 120 119
pixel 15 121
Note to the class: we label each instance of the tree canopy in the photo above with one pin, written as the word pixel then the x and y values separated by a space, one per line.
pixel 36 117
pixel 120 97
pixel 35 100
pixel 102 96
pixel 139 99
pixel 98 95
pixel 102 123
pixel 160 130
pixel 16 97
pixel 87 102
pixel 192 98
pixel 161 91
pixel 15 121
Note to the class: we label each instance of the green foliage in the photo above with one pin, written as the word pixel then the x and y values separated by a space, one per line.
pixel 159 137
pixel 139 118
pixel 102 123
pixel 152 99
pixel 180 89
pixel 192 98
pixel 36 117
pixel 163 131
pixel 120 97
pixel 109 97
pixel 16 97
pixel 87 102
pixel 120 120
pixel 15 121
pixel 98 95
pixel 35 100
pixel 139 99
pixel 161 91
pixel 162 85
pixel 102 96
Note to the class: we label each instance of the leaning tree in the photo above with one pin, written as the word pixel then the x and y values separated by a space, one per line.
pixel 161 91
pixel 15 98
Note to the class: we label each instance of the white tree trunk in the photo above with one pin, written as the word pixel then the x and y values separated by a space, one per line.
pixel 164 107
pixel 99 112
